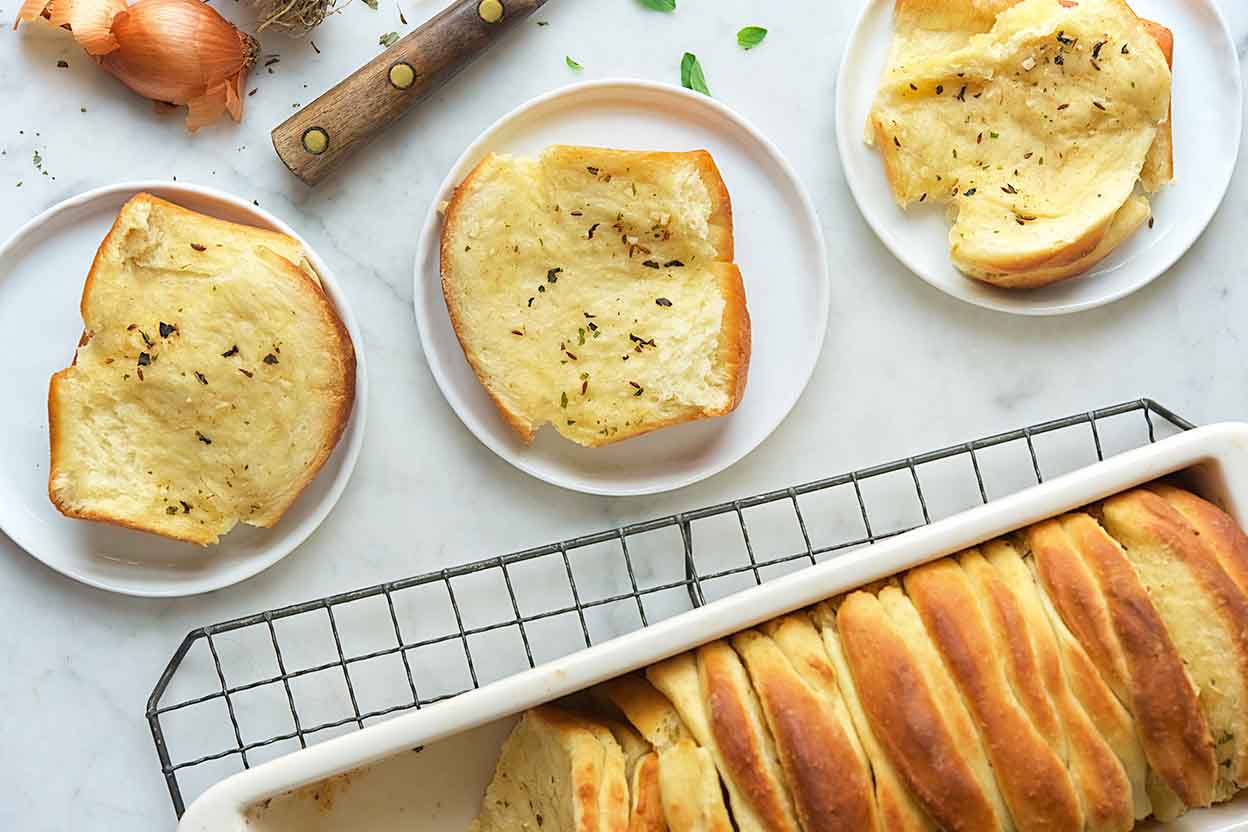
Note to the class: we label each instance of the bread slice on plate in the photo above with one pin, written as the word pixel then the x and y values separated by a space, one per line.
pixel 594 290
pixel 212 380
pixel 1032 121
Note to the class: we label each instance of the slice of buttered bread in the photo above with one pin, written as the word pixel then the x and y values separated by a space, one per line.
pixel 1032 121
pixel 594 290
pixel 212 380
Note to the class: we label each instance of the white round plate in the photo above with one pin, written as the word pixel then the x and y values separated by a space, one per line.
pixel 1207 112
pixel 779 248
pixel 42 270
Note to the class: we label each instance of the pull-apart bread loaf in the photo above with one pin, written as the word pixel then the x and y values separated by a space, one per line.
pixel 212 380
pixel 1082 675
pixel 595 290
pixel 1032 121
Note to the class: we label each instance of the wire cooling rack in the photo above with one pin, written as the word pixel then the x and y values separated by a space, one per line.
pixel 257 687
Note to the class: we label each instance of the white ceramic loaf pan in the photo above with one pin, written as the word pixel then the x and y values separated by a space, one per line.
pixel 379 782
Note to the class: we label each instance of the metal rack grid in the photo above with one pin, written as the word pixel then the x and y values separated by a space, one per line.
pixel 1051 448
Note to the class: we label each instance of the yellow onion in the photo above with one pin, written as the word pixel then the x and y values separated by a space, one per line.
pixel 171 51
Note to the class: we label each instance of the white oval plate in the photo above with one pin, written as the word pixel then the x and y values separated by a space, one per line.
pixel 779 247
pixel 1207 112
pixel 42 270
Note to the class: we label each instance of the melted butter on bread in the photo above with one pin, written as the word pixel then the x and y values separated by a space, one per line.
pixel 594 290
pixel 1033 131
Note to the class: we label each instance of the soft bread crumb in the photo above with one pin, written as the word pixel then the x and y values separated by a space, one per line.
pixel 213 382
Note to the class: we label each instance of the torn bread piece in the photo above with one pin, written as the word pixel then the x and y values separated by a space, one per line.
pixel 1032 121
pixel 212 382
pixel 594 290
pixel 551 775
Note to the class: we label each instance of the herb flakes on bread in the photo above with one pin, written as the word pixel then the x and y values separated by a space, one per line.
pixel 212 380
pixel 1032 121
pixel 595 290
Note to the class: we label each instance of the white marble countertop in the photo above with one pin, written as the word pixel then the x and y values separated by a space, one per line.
pixel 904 369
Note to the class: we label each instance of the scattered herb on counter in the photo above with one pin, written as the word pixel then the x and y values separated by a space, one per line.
pixel 402 17
pixel 663 301
pixel 167 329
pixel 389 38
pixel 751 36
pixel 1151 220
pixel 232 351
pixel 38 160
pixel 572 63
pixel 372 4
pixel 270 359
pixel 659 5
pixel 203 438
pixel 691 75
pixel 543 23
pixel 315 48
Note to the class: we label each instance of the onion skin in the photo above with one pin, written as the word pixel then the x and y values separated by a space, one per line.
pixel 179 52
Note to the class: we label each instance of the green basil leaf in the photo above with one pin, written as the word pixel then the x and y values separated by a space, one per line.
pixel 751 36
pixel 572 64
pixel 691 76
pixel 660 5
pixel 388 39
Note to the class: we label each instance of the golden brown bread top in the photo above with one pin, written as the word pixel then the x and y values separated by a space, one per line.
pixel 916 713
pixel 822 762
pixel 1032 778
pixel 745 745
pixel 898 809
pixel 1160 693
pixel 710 689
pixel 1034 659
pixel 1204 612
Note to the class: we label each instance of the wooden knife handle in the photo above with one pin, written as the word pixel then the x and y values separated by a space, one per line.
pixel 319 137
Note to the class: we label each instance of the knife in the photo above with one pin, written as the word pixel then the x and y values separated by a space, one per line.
pixel 314 141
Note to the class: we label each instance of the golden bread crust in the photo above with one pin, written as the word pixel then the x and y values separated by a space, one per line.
pixel 910 717
pixel 825 770
pixel 1032 779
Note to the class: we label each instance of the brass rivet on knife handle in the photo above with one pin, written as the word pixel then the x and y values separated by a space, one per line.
pixel 315 140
